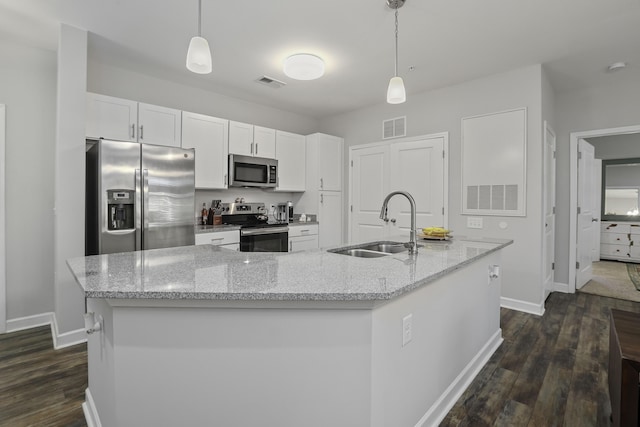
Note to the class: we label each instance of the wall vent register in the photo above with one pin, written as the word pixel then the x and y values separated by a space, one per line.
pixel 394 128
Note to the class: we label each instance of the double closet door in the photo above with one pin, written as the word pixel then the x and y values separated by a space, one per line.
pixel 416 166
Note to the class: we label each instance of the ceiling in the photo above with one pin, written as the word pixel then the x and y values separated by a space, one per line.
pixel 444 41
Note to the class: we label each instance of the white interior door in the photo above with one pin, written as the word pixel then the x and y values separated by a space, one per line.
pixel 586 208
pixel 597 175
pixel 549 197
pixel 418 168
pixel 369 187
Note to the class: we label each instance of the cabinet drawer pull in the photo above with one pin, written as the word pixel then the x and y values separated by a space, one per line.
pixel 217 239
pixel 304 231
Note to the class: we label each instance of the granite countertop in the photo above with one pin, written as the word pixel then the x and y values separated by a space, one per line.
pixel 207 272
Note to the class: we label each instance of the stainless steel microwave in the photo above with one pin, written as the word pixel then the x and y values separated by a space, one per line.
pixel 247 171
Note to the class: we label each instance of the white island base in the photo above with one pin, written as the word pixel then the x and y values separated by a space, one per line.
pixel 293 363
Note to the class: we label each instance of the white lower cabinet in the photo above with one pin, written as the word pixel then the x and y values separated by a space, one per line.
pixel 227 239
pixel 303 237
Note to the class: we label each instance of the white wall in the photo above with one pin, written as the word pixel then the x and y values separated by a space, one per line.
pixel 70 175
pixel 114 81
pixel 28 88
pixel 616 146
pixel 442 110
pixel 602 107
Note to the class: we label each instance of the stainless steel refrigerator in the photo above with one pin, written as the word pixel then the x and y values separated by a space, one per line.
pixel 138 196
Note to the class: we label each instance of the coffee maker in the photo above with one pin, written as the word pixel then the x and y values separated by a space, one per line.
pixel 284 212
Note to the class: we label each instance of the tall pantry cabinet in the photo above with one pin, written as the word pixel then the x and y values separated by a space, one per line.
pixel 324 182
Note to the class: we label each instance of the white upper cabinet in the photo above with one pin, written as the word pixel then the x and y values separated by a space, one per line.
pixel 240 138
pixel 325 158
pixel 159 125
pixel 209 136
pixel 125 120
pixel 250 140
pixel 264 142
pixel 111 118
pixel 290 153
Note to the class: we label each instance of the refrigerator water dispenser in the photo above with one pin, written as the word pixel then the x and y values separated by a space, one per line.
pixel 121 209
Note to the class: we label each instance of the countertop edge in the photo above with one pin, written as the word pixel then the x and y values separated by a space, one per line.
pixel 291 297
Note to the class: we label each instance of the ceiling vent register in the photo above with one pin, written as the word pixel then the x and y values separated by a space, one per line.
pixel 271 82
pixel 394 128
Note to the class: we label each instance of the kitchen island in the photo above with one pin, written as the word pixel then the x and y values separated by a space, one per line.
pixel 200 335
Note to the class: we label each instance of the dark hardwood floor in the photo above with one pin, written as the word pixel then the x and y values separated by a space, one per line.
pixel 550 371
pixel 40 386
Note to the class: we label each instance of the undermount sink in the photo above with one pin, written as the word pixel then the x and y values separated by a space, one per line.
pixel 371 250
pixel 360 253
pixel 386 247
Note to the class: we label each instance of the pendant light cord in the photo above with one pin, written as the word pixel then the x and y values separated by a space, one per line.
pixel 200 20
pixel 396 67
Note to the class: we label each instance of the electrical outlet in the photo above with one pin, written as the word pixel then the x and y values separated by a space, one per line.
pixel 407 329
pixel 474 222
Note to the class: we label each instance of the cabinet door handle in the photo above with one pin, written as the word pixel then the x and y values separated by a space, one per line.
pixel 321 184
pixel 225 179
pixel 133 131
pixel 290 246
pixel 393 220
pixel 251 148
pixel 322 198
pixel 141 131
pixel 256 148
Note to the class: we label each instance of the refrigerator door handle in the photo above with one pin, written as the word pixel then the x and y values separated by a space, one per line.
pixel 145 202
pixel 138 210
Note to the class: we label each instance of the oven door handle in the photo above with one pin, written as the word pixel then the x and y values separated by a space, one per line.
pixel 262 231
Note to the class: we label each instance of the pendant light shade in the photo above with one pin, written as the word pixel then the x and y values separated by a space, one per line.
pixel 395 92
pixel 199 54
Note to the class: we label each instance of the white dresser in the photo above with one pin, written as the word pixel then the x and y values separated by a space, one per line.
pixel 620 241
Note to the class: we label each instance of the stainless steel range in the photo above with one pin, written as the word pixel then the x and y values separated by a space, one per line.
pixel 257 234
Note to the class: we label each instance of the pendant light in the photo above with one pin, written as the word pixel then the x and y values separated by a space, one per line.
pixel 199 55
pixel 395 92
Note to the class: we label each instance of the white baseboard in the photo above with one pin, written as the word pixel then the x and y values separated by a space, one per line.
pixel 445 402
pixel 90 411
pixel 28 322
pixel 524 306
pixel 65 339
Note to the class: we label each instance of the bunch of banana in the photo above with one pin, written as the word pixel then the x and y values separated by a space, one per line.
pixel 436 231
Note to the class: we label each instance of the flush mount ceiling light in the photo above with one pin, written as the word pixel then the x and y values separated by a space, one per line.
pixel 395 92
pixel 199 55
pixel 304 66
pixel 616 66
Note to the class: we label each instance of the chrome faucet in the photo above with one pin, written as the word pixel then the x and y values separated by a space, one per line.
pixel 412 245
